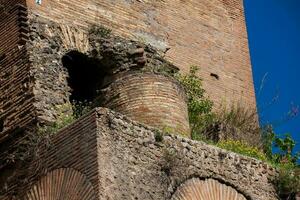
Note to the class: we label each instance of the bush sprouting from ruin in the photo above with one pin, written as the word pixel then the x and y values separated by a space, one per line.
pixel 199 107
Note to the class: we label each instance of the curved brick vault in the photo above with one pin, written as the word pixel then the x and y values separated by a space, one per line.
pixel 64 184
pixel 209 189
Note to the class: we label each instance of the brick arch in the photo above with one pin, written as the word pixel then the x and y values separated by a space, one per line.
pixel 208 189
pixel 64 183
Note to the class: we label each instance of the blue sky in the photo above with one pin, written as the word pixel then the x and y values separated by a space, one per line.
pixel 274 40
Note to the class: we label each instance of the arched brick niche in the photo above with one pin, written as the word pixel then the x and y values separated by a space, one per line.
pixel 150 98
pixel 209 189
pixel 64 184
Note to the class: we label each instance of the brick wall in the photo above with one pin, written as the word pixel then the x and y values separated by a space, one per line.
pixel 123 160
pixel 146 97
pixel 208 33
pixel 16 109
pixel 74 147
pixel 152 99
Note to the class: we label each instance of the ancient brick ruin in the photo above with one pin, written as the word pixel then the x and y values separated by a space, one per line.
pixel 121 55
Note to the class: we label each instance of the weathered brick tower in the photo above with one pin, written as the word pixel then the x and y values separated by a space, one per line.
pixel 50 56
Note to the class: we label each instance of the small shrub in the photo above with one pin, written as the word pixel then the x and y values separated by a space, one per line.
pixel 288 181
pixel 64 118
pixel 199 106
pixel 285 146
pixel 66 114
pixel 235 122
pixel 81 108
pixel 241 117
pixel 242 148
pixel 170 160
pixel 100 31
pixel 158 136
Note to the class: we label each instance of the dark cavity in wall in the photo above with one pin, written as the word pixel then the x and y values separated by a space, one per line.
pixel 1 124
pixel 216 76
pixel 86 76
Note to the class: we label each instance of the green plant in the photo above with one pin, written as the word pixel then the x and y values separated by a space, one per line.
pixel 235 122
pixel 159 136
pixel 81 108
pixel 285 146
pixel 239 116
pixel 242 148
pixel 64 118
pixel 268 136
pixel 100 31
pixel 199 106
pixel 169 160
pixel 288 181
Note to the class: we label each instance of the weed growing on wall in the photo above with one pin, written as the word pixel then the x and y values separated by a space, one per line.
pixel 235 121
pixel 100 30
pixel 64 118
pixel 81 108
pixel 66 114
pixel 242 148
pixel 288 181
pixel 199 106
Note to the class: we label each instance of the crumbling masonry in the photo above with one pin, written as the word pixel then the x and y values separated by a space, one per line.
pixel 121 55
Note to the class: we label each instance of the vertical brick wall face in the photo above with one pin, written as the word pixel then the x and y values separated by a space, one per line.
pixel 75 147
pixel 16 108
pixel 10 26
pixel 152 99
pixel 208 33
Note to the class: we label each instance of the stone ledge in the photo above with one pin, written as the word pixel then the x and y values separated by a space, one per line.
pixel 124 159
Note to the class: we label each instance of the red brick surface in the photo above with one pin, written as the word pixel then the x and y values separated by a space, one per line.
pixel 208 33
pixel 152 99
pixel 16 98
pixel 74 147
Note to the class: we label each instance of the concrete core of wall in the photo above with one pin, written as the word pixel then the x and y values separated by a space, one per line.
pixel 74 64
pixel 123 159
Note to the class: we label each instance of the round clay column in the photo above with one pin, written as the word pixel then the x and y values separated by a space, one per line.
pixel 152 99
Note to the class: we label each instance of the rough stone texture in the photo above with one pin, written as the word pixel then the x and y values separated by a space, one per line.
pixel 152 99
pixel 208 33
pixel 209 189
pixel 116 54
pixel 125 160
pixel 121 158
pixel 108 56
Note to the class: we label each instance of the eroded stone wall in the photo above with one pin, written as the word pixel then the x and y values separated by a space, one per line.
pixel 208 33
pixel 142 93
pixel 153 168
pixel 126 160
